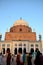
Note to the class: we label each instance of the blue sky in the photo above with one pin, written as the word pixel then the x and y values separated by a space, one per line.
pixel 29 10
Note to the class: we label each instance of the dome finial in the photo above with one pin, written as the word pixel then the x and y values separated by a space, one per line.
pixel 20 18
pixel 20 22
pixel 34 30
pixel 7 30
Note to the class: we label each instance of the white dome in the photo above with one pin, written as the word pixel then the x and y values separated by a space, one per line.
pixel 20 22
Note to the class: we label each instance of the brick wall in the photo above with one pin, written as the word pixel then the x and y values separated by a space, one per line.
pixel 20 33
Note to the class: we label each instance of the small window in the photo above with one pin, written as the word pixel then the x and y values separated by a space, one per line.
pixel 32 45
pixel 28 30
pixel 36 45
pixel 20 29
pixel 20 44
pixel 8 45
pixel 24 44
pixel 3 45
pixel 15 44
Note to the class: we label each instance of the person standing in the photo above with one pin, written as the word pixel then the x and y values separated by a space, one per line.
pixel 24 57
pixel 12 58
pixel 18 58
pixel 29 59
pixel 37 60
pixel 8 59
pixel 0 58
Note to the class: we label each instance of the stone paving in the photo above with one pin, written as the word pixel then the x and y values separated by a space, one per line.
pixel 12 63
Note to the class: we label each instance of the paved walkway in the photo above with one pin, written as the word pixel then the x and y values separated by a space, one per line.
pixel 12 63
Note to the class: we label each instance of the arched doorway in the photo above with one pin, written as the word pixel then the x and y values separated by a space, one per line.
pixel 15 51
pixel 36 49
pixel 3 50
pixel 8 50
pixel 20 50
pixel 31 50
pixel 24 50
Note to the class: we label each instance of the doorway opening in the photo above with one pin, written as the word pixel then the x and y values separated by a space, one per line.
pixel 15 51
pixel 20 50
pixel 8 50
pixel 3 50
pixel 25 50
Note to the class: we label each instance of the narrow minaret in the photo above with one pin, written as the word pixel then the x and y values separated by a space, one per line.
pixel 34 30
pixel 40 38
pixel 0 36
pixel 20 18
pixel 7 30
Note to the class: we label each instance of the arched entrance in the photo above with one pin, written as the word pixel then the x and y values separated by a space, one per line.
pixel 36 49
pixel 24 50
pixel 3 50
pixel 20 50
pixel 15 51
pixel 8 50
pixel 32 50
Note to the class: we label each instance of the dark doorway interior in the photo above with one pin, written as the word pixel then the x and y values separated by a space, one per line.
pixel 24 50
pixel 15 51
pixel 8 50
pixel 32 50
pixel 36 49
pixel 3 50
pixel 20 50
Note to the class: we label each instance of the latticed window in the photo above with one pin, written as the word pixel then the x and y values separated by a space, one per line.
pixel 8 45
pixel 28 30
pixel 15 44
pixel 3 45
pixel 20 44
pixel 20 29
pixel 36 45
pixel 24 44
pixel 32 45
